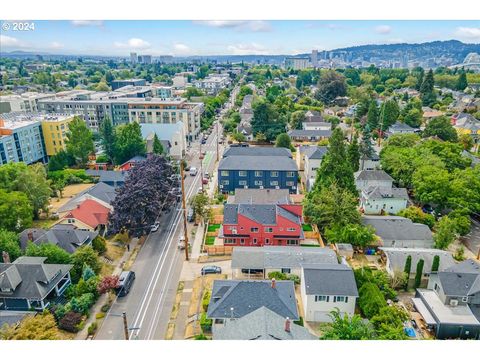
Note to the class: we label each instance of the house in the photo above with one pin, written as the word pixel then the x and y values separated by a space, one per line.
pixel 365 179
pixel 171 134
pixel 326 287
pixel 313 160
pixel 66 237
pixel 320 125
pixel 451 303
pixel 400 128
pixel 429 114
pixel 301 153
pixel 378 200
pixel 260 196
pixel 286 259
pixel 109 177
pixel 396 258
pixel 89 215
pixel 262 224
pixel 262 324
pixel 129 164
pixel 397 231
pixel 100 192
pixel 28 283
pixel 309 135
pixel 234 299
pixel 258 168
pixel 467 124
pixel 475 160
pixel 370 162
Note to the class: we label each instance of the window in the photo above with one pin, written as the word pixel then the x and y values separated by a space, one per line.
pixel 255 241
pixel 242 173
pixel 254 230
pixel 224 173
pixel 436 287
pixel 267 241
pixel 274 173
pixel 319 298
pixel 258 182
pixel 268 229
pixel 273 183
pixel 340 299
pixel 292 242
pixel 465 298
pixel 230 241
pixel 258 173
pixel 225 182
pixel 232 228
pixel 286 271
pixel 242 241
pixel 290 174
pixel 242 183
pixel 291 229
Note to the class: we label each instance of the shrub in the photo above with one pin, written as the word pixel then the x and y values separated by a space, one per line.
pixel 92 328
pixel 435 263
pixel 108 283
pixel 105 308
pixel 299 321
pixel 206 300
pixel 371 300
pixel 419 273
pixel 459 254
pixel 70 321
pixel 200 337
pixel 100 315
pixel 83 303
pixel 85 287
pixel 205 323
pixel 99 244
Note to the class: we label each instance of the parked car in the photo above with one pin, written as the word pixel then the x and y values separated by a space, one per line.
pixel 211 269
pixel 204 141
pixel 200 190
pixel 181 242
pixel 193 171
pixel 207 175
pixel 190 215
pixel 205 181
pixel 155 226
pixel 125 283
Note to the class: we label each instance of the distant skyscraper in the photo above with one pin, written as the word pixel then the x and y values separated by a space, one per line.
pixel 314 58
pixel 133 58
pixel 145 59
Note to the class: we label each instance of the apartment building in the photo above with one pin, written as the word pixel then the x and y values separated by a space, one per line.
pixel 55 129
pixel 116 84
pixel 26 102
pixel 213 83
pixel 297 63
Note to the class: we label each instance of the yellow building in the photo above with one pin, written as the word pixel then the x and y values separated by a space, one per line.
pixel 55 128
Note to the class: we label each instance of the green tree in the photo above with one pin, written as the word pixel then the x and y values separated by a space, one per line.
pixel 157 145
pixel 372 115
pixel 10 244
pixel 296 119
pixel 38 327
pixel 466 141
pixel 331 206
pixel 442 128
pixel 427 93
pixel 15 211
pixel 353 154
pixel 107 135
pixel 366 146
pixel 419 273
pixel 462 82
pixel 60 161
pixel 267 120
pixel 413 118
pixel 355 234
pixel 462 221
pixel 416 214
pixel 53 253
pixel 239 137
pixel 432 185
pixel 371 300
pixel 388 323
pixel 330 85
pixel 435 263
pixel 79 141
pixel 129 142
pixel 346 328
pixel 444 233
pixel 390 111
pixel 283 140
pixel 200 207
pixel 84 255
pixel 407 269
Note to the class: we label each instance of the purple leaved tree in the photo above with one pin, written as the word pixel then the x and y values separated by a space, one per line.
pixel 149 187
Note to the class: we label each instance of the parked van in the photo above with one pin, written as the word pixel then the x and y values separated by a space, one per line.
pixel 125 283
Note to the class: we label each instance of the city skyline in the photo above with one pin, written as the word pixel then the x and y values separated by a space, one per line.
pixel 204 38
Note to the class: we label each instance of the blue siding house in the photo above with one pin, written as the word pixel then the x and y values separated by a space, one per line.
pixel 257 168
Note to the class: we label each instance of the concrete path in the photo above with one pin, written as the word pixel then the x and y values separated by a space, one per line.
pixel 197 242
pixel 182 316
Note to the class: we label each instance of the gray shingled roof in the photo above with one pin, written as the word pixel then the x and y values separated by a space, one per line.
pixel 260 196
pixel 267 163
pixel 317 152
pixel 329 279
pixel 101 191
pixel 398 256
pixel 309 133
pixel 256 151
pixel 397 228
pixel 272 257
pixel 265 214
pixel 245 296
pixel 372 175
pixel 108 175
pixel 398 126
pixel 262 324
pixel 377 192
pixel 462 279
pixel 36 278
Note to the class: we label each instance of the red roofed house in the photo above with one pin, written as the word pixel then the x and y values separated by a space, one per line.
pixel 89 215
pixel 127 165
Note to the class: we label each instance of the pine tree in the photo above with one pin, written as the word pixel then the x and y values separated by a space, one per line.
pixel 157 145
pixel 366 146
pixel 419 273
pixel 353 153
pixel 435 263
pixel 462 82
pixel 419 76
pixel 108 137
pixel 426 90
pixel 390 113
pixel 372 115
pixel 407 269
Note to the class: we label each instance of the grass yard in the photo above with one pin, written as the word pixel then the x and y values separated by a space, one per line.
pixel 209 240
pixel 43 223
pixel 213 227
pixel 307 227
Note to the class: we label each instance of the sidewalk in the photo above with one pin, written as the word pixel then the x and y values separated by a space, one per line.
pixel 102 300
pixel 197 242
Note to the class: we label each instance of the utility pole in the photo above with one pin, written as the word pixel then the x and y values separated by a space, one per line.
pixel 184 211
pixel 201 165
pixel 382 115
pixel 125 325
pixel 217 137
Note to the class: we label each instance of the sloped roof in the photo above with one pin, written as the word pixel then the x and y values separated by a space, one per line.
pixel 100 191
pixel 397 228
pixel 378 192
pixel 317 152
pixel 265 214
pixel 372 175
pixel 329 279
pixel 398 126
pixel 262 324
pixel 398 256
pixel 267 163
pixel 91 213
pixel 163 131
pixel 260 196
pixel 108 175
pixel 257 151
pixel 310 133
pixel 462 279
pixel 245 296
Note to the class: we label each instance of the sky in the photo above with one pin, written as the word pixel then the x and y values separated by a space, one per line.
pixel 216 37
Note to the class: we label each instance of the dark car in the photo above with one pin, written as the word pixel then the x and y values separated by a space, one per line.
pixel 125 283
pixel 211 269
pixel 204 141
pixel 190 215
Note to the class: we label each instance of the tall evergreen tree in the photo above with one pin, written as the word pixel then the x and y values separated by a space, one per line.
pixel 129 142
pixel 390 112
pixel 372 115
pixel 407 268
pixel 107 135
pixel 420 73
pixel 435 263
pixel 419 273
pixel 427 93
pixel 79 141
pixel 157 145
pixel 353 153
pixel 366 146
pixel 462 82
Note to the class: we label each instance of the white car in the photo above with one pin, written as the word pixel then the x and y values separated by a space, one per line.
pixel 181 242
pixel 193 171
pixel 155 226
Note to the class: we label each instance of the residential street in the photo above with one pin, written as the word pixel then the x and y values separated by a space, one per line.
pixel 157 267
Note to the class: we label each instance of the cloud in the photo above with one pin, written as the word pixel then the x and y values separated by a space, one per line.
pixel 247 49
pixel 56 45
pixel 10 41
pixel 133 43
pixel 84 23
pixel 468 33
pixel 383 29
pixel 181 49
pixel 239 25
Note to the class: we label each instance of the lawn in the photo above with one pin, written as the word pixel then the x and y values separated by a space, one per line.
pixel 213 227
pixel 209 240
pixel 307 227
pixel 43 223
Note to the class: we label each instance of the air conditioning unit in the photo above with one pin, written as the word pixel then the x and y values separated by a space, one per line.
pixel 453 302
pixel 234 231
pixel 277 187
pixel 261 187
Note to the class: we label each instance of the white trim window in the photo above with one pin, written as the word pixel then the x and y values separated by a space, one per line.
pixel 254 229
pixel 290 174
pixel 258 182
pixel 273 183
pixel 268 229
pixel 291 229
pixel 340 299
pixel 242 182
pixel 242 173
pixel 258 173
pixel 224 173
pixel 320 298
pixel 230 241
pixel 274 173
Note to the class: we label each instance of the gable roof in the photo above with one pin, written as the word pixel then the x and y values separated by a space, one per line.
pixel 372 175
pixel 397 228
pixel 317 152
pixel 108 175
pixel 245 296
pixel 300 132
pixel 462 279
pixel 260 196
pixel 90 213
pixel 398 126
pixel 265 214
pixel 268 257
pixel 378 192
pixel 262 324
pixel 329 279
pixel 256 151
pixel 30 277
pixel 100 191
pixel 262 163
pixel 398 256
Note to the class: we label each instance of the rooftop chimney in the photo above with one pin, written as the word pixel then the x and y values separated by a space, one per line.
pixel 273 283
pixel 287 324
pixel 6 257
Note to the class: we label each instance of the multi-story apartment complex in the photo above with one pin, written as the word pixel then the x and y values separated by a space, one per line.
pixel 26 102
pixel 55 129
pixel 297 63
pixel 116 84
pixel 21 139
pixel 213 83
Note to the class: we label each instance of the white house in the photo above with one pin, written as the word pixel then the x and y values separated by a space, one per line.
pixel 400 128
pixel 173 134
pixel 365 179
pixel 313 160
pixel 317 126
pixel 327 287
pixel 370 163
pixel 377 200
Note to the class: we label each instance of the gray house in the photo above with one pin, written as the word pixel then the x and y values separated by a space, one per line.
pixel 262 324
pixel 29 283
pixel 451 303
pixel 365 179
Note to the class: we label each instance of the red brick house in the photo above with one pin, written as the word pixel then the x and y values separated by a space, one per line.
pixel 262 224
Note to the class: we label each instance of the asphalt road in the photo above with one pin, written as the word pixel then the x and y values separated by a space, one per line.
pixel 157 267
